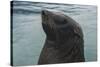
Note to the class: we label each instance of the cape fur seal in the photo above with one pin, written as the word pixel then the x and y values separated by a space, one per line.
pixel 64 39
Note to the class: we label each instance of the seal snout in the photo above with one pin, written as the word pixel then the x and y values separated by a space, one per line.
pixel 44 12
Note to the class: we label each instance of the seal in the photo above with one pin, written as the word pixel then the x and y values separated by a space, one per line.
pixel 64 39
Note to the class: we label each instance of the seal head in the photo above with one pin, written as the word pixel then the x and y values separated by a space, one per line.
pixel 58 26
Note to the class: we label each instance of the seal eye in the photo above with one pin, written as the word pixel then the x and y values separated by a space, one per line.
pixel 64 21
pixel 60 21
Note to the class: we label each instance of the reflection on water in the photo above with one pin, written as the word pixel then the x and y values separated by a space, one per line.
pixel 28 35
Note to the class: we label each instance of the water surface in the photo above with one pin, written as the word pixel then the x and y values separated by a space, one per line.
pixel 29 37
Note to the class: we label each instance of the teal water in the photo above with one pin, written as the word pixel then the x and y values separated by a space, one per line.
pixel 29 37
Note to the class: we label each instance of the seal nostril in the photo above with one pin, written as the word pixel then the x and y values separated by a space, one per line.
pixel 43 12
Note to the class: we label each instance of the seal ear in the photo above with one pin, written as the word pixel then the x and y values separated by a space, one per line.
pixel 77 32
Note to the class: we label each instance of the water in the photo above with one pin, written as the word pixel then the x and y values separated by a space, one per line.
pixel 29 37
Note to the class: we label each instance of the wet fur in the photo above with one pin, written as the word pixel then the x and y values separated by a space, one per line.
pixel 64 39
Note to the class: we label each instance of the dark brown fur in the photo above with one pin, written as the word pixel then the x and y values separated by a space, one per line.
pixel 64 39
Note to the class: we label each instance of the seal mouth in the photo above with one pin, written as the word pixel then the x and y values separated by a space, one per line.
pixel 48 23
pixel 47 18
pixel 44 16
